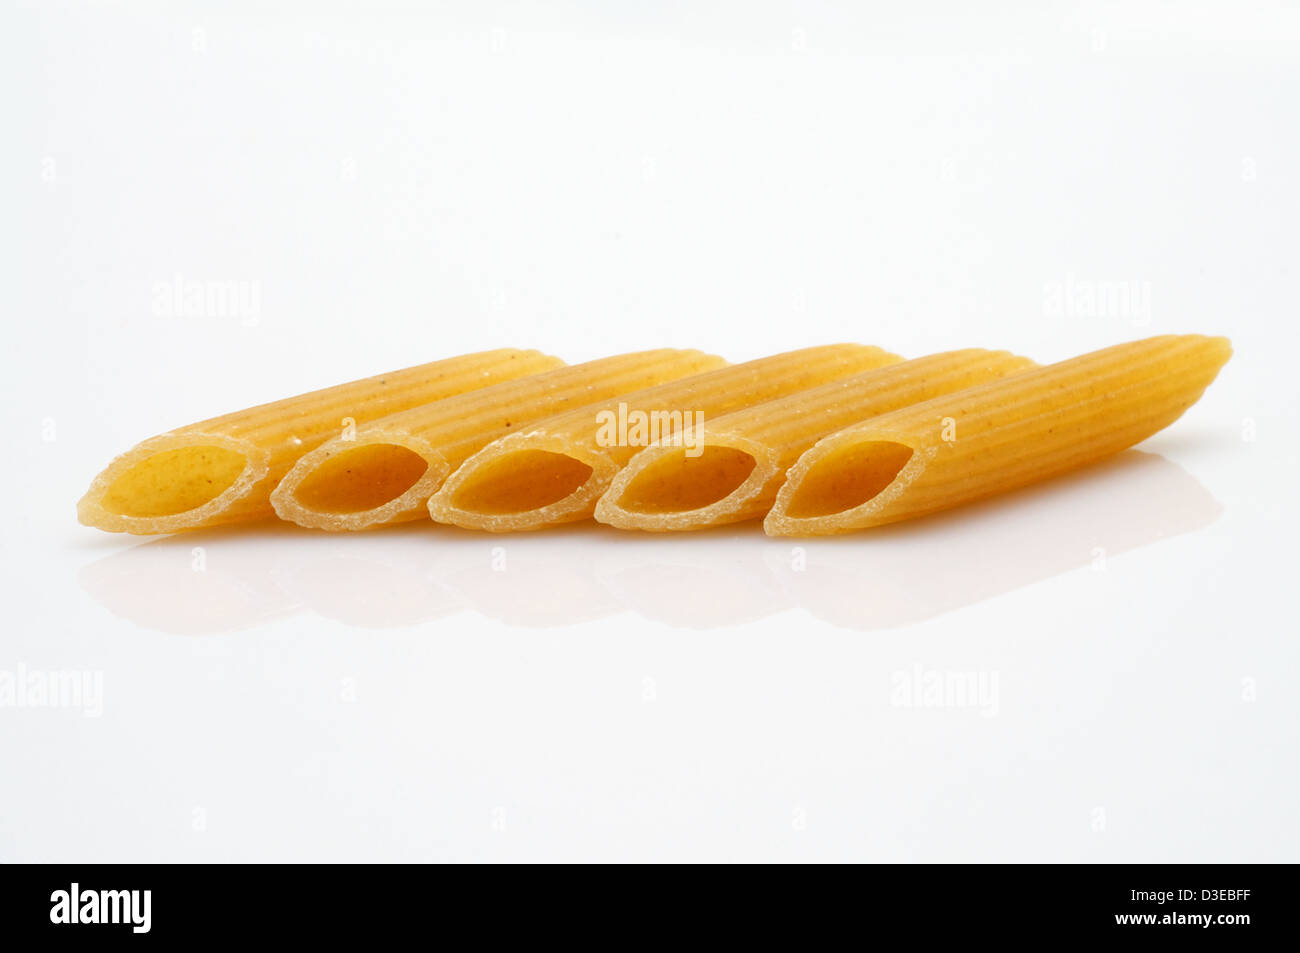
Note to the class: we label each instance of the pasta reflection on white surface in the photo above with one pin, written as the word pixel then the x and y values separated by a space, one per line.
pixel 699 580
pixel 196 584
pixel 885 578
pixel 908 572
pixel 369 590
pixel 533 579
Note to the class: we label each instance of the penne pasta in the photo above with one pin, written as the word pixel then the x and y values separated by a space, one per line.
pixel 994 437
pixel 386 471
pixel 555 472
pixel 223 470
pixel 735 464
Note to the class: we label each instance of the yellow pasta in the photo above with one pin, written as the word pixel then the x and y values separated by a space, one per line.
pixel 994 437
pixel 224 469
pixel 386 471
pixel 555 471
pixel 731 468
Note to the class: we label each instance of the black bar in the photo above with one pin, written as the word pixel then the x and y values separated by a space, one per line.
pixel 969 902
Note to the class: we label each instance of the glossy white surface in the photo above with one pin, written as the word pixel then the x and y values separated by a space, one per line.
pixel 396 187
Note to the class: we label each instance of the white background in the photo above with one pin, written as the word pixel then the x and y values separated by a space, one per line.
pixel 395 185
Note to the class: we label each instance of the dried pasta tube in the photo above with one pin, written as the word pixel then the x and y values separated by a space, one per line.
pixel 737 462
pixel 224 469
pixel 386 471
pixel 555 471
pixel 994 437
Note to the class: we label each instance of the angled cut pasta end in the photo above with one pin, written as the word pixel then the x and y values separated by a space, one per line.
pixel 173 482
pixel 377 478
pixel 523 481
pixel 690 483
pixel 845 482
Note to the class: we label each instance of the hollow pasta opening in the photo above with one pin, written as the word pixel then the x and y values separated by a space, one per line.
pixel 360 479
pixel 173 481
pixel 847 477
pixel 675 482
pixel 521 481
